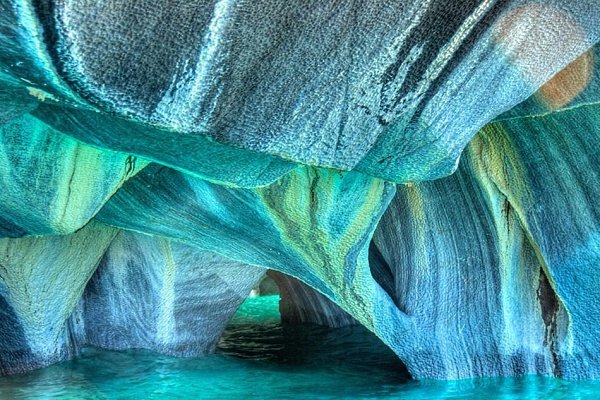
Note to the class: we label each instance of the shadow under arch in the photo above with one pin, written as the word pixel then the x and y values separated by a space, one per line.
pixel 301 329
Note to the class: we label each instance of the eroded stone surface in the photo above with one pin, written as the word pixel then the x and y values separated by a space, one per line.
pixel 164 296
pixel 394 91
pixel 41 281
pixel 301 304
pixel 490 271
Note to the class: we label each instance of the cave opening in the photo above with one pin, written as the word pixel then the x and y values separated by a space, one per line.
pixel 285 323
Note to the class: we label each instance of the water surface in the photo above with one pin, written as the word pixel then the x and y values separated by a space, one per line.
pixel 259 358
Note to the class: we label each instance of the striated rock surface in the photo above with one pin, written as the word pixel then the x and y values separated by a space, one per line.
pixel 52 184
pixel 164 156
pixel 496 265
pixel 140 292
pixel 155 294
pixel 41 281
pixel 301 232
pixel 392 90
pixel 300 304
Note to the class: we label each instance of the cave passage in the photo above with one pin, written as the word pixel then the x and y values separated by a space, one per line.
pixel 282 325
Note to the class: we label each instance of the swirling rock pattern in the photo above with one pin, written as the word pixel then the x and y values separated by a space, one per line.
pixel 300 304
pixel 395 91
pixel 513 302
pixel 301 232
pixel 42 279
pixel 53 184
pixel 140 292
pixel 157 158
pixel 165 296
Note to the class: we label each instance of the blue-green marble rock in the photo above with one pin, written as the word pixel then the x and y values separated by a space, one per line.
pixel 112 289
pixel 395 91
pixel 167 154
pixel 291 225
pixel 465 251
pixel 51 183
pixel 164 296
pixel 41 282
pixel 497 265
pixel 300 304
pixel 30 76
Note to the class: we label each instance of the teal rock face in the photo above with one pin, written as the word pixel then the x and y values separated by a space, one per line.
pixel 301 232
pixel 113 289
pixel 513 302
pixel 164 296
pixel 428 170
pixel 300 304
pixel 386 90
pixel 42 280
pixel 52 183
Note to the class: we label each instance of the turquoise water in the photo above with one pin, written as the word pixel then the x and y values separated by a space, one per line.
pixel 259 358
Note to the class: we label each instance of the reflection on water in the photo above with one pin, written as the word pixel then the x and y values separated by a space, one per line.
pixel 259 358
